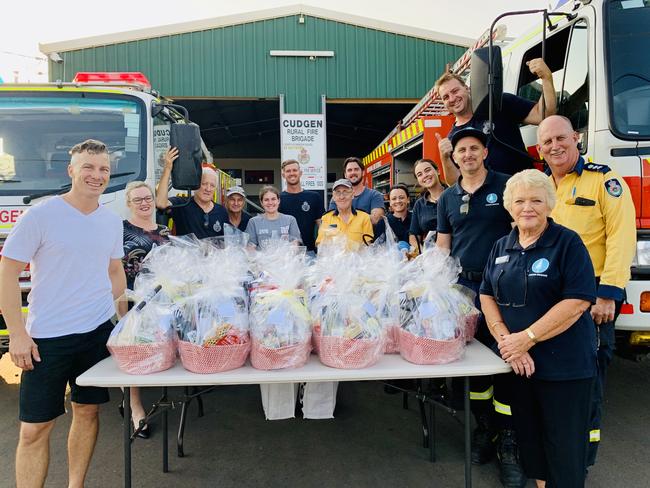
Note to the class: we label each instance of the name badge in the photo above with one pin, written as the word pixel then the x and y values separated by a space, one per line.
pixel 502 259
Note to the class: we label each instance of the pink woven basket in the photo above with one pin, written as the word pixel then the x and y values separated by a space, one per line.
pixel 392 339
pixel 422 350
pixel 343 353
pixel 212 359
pixel 267 358
pixel 471 324
pixel 144 358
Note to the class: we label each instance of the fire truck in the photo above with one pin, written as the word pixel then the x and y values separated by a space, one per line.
pixel 39 123
pixel 596 51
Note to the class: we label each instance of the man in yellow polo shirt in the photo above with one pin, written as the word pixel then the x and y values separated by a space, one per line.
pixel 595 202
pixel 345 220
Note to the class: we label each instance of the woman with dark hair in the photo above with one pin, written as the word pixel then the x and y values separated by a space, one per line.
pixel 399 217
pixel 271 224
pixel 425 210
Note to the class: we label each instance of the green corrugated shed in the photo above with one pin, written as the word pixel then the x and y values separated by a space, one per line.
pixel 233 61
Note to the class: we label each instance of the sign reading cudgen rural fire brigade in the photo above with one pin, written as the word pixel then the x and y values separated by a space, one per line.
pixel 303 139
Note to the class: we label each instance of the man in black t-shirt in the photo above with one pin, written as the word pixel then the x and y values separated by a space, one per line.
pixel 199 215
pixel 455 96
pixel 305 206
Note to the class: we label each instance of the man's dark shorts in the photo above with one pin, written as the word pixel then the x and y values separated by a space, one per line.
pixel 42 390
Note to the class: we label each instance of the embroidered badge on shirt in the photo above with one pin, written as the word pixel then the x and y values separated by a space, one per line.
pixel 305 206
pixel 540 265
pixel 613 187
pixel 217 226
pixel 491 198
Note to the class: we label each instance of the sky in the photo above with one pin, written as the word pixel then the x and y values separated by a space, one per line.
pixel 26 24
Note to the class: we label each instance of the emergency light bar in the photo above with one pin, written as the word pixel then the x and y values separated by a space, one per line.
pixel 111 77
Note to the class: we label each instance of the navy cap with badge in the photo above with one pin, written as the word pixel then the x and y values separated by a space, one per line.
pixel 468 132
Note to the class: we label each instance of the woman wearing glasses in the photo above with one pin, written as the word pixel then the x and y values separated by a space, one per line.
pixel 140 235
pixel 425 219
pixel 536 292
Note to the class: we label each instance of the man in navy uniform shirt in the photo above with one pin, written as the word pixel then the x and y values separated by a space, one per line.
pixel 471 218
pixel 306 206
pixel 506 147
pixel 199 215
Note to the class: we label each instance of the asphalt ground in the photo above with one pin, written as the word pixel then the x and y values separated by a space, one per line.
pixel 372 442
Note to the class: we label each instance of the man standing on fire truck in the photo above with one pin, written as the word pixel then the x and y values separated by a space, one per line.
pixel 595 202
pixel 506 149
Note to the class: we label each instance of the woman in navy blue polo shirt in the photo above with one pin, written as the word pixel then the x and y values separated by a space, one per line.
pixel 425 211
pixel 536 292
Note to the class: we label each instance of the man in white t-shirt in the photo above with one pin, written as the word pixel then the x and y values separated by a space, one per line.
pixel 75 248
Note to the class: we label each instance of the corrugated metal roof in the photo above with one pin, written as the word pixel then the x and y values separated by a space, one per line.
pixel 234 62
pixel 246 17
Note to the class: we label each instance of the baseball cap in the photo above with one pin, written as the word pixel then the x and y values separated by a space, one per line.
pixel 468 132
pixel 342 182
pixel 236 190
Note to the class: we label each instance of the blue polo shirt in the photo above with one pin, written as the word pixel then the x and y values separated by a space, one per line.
pixel 473 234
pixel 527 283
pixel 425 216
pixel 506 122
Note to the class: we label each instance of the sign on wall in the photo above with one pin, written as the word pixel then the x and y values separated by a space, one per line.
pixel 303 138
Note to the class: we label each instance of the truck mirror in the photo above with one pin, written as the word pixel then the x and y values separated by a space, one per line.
pixel 186 172
pixel 479 80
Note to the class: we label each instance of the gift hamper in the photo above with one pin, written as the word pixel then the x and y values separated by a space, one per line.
pixel 279 318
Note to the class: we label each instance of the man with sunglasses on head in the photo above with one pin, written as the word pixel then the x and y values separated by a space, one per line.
pixel 471 218
pixel 199 215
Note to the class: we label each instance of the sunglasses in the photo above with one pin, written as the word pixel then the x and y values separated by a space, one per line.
pixel 206 220
pixel 464 207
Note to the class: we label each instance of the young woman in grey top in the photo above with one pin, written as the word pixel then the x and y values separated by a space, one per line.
pixel 271 224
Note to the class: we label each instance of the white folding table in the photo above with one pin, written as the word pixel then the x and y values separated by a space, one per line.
pixel 478 360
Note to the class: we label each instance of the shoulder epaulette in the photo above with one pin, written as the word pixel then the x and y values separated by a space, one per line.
pixel 600 168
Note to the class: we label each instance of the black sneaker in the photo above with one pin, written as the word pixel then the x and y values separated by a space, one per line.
pixel 510 472
pixel 483 442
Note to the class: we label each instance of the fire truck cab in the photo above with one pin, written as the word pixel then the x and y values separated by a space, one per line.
pixel 39 123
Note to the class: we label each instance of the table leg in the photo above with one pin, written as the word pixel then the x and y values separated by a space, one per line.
pixel 165 453
pixel 468 436
pixel 432 431
pixel 127 437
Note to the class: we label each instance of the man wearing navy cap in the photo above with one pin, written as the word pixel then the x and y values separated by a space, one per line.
pixel 471 218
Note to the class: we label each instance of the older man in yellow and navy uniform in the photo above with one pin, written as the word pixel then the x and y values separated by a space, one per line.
pixel 595 202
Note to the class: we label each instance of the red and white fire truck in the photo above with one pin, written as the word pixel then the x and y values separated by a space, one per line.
pixel 597 51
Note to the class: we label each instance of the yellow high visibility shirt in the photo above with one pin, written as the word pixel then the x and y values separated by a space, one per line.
pixel 595 202
pixel 354 229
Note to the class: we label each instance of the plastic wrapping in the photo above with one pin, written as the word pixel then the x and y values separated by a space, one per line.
pixel 279 318
pixel 382 287
pixel 434 310
pixel 143 341
pixel 350 335
pixel 213 321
